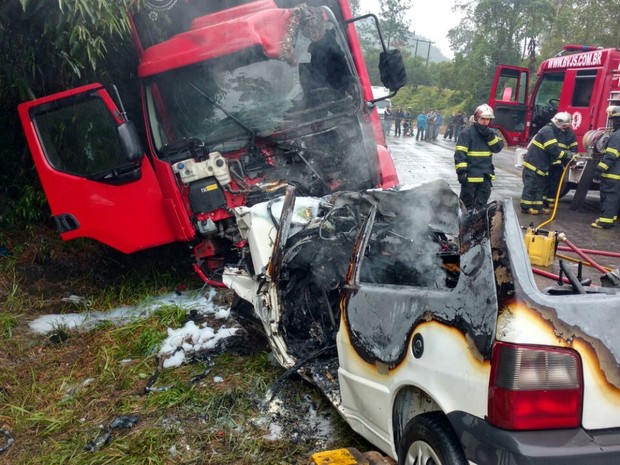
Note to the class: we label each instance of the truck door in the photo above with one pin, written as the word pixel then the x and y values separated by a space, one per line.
pixel 95 187
pixel 509 101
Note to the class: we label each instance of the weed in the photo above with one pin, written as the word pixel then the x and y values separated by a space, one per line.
pixel 56 395
pixel 8 321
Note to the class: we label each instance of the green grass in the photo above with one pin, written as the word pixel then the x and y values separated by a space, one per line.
pixel 54 396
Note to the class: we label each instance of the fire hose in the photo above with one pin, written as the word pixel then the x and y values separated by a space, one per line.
pixel 579 252
pixel 604 253
pixel 610 277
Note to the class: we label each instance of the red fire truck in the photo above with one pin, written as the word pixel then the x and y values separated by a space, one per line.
pixel 240 99
pixel 582 80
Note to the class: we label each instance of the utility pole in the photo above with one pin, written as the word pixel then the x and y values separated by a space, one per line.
pixel 428 52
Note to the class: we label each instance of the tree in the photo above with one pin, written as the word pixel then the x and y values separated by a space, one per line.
pixel 47 46
pixel 493 32
pixel 588 22
pixel 394 24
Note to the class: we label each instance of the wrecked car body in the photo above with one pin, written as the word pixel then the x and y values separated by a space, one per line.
pixel 425 328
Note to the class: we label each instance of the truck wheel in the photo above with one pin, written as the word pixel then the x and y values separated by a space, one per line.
pixel 566 187
pixel 428 439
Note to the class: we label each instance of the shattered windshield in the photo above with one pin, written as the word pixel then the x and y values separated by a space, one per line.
pixel 237 96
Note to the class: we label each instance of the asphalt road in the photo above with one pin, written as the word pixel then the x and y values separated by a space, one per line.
pixel 418 162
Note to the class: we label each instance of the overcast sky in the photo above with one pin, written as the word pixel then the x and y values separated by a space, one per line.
pixel 429 18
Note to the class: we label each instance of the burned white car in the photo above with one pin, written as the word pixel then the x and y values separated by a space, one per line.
pixel 425 328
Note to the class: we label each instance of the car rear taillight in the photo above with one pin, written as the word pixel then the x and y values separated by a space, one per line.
pixel 534 387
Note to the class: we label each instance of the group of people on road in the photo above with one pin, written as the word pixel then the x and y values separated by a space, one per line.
pixel 548 154
pixel 456 123
pixel 426 125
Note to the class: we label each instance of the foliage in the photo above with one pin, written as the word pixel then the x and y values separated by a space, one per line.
pixel 588 22
pixel 426 98
pixel 493 32
pixel 393 22
pixel 56 394
pixel 48 46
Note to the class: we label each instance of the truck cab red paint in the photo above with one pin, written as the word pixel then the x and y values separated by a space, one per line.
pixel 580 80
pixel 238 102
pixel 131 215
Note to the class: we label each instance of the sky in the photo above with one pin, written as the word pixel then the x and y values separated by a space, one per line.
pixel 429 18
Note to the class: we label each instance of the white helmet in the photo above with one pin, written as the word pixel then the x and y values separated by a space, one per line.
pixel 613 111
pixel 562 120
pixel 483 111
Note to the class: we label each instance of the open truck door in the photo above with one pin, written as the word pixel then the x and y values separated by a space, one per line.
pixel 509 98
pixel 93 170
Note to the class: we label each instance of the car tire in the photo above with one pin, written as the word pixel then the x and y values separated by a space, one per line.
pixel 428 439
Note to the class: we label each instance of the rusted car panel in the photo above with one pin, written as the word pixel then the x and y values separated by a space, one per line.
pixel 393 303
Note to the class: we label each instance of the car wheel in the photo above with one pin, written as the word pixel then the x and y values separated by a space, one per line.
pixel 429 439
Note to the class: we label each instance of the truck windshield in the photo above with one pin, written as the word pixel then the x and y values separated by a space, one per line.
pixel 236 96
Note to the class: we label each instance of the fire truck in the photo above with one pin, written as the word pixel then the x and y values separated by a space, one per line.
pixel 240 100
pixel 582 80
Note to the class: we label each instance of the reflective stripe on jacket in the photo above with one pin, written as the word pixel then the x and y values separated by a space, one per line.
pixel 610 163
pixel 473 154
pixel 545 149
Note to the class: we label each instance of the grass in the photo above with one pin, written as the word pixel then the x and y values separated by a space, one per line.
pixel 59 394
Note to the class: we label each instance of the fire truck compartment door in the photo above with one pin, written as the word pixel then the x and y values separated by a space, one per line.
pixel 96 184
pixel 509 99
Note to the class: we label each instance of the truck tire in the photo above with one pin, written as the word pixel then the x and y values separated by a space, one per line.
pixel 429 439
pixel 566 188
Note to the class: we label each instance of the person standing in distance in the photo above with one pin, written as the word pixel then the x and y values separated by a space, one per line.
pixel 473 159
pixel 608 171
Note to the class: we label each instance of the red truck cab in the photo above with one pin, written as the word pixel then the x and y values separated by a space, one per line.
pixel 239 102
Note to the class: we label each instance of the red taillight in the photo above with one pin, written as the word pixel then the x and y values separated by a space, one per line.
pixel 535 387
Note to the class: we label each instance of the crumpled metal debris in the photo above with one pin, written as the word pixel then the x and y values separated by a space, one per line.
pixel 9 441
pixel 105 436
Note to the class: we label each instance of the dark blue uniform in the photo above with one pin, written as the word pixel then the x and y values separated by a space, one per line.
pixel 608 170
pixel 474 165
pixel 541 153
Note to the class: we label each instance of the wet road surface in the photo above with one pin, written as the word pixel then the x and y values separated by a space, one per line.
pixel 418 162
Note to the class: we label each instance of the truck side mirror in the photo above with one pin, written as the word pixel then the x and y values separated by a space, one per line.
pixel 130 141
pixel 392 69
pixel 391 64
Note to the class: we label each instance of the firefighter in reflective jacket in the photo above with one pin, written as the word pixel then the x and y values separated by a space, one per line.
pixel 544 149
pixel 608 171
pixel 567 141
pixel 473 159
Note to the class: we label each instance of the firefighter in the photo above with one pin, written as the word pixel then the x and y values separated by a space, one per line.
pixel 542 152
pixel 473 159
pixel 567 141
pixel 608 171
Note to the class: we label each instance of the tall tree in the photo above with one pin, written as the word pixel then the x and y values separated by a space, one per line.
pixel 493 32
pixel 394 23
pixel 588 22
